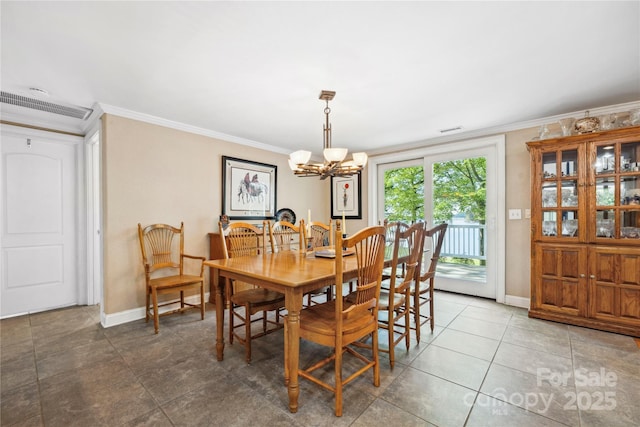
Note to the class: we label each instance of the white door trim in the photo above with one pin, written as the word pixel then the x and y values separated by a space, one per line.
pixel 93 214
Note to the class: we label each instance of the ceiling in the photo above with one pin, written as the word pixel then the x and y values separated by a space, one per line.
pixel 252 71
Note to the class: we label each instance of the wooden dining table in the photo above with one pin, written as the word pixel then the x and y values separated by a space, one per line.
pixel 292 273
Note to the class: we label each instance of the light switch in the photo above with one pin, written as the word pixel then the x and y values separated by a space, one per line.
pixel 515 213
pixel 527 213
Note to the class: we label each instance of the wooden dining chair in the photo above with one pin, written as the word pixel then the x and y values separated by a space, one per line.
pixel 163 259
pixel 320 234
pixel 422 292
pixel 337 324
pixel 395 301
pixel 391 228
pixel 246 300
pixel 284 236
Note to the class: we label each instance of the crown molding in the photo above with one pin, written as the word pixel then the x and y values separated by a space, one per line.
pixel 479 133
pixel 45 120
pixel 147 118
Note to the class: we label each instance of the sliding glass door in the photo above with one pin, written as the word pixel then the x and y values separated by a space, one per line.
pixel 461 188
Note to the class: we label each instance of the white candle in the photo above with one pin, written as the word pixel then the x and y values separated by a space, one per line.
pixel 309 221
pixel 344 225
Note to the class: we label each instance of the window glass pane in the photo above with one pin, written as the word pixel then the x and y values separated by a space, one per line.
pixel 569 165
pixel 605 225
pixel 549 199
pixel 570 223
pixel 549 168
pixel 569 193
pixel 549 226
pixel 605 161
pixel 630 189
pixel 630 157
pixel 630 226
pixel 605 194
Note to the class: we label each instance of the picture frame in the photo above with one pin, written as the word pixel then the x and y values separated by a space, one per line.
pixel 346 196
pixel 249 189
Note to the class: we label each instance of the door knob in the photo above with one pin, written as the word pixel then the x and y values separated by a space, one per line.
pixel 592 276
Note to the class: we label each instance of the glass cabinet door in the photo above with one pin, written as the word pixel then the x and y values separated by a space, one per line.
pixel 616 193
pixel 560 194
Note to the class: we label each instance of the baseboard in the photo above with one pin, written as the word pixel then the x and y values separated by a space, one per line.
pixel 114 319
pixel 517 301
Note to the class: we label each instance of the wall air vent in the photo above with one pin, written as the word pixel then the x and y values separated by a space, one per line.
pixel 50 107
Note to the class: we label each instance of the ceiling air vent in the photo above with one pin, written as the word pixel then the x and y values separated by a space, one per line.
pixel 50 107
pixel 453 129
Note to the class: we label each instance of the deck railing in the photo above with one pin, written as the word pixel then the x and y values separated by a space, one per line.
pixel 465 241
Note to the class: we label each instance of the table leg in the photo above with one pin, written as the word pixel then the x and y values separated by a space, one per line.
pixel 219 314
pixel 293 302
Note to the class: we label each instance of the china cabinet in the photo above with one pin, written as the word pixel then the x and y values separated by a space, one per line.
pixel 585 230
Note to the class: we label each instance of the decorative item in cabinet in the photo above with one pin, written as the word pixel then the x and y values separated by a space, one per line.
pixel 606 160
pixel 608 121
pixel 634 117
pixel 566 125
pixel 587 124
pixel 549 199
pixel 605 228
pixel 569 227
pixel 543 132
pixel 549 228
pixel 630 232
pixel 569 194
pixel 549 165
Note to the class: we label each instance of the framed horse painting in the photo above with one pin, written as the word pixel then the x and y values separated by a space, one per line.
pixel 248 189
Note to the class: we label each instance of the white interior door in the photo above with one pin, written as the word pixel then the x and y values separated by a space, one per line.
pixel 39 223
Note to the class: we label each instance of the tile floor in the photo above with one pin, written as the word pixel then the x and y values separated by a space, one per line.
pixel 486 364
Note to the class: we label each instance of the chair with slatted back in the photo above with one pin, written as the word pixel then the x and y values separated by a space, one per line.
pixel 320 234
pixel 395 299
pixel 163 259
pixel 284 236
pixel 392 227
pixel 337 324
pixel 422 293
pixel 246 300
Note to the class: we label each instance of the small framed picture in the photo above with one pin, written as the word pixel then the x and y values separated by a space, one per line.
pixel 248 189
pixel 346 197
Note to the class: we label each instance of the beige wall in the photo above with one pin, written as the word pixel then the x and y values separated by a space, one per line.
pixel 153 174
pixel 518 196
pixel 156 174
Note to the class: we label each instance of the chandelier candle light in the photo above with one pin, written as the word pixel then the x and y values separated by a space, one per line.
pixel 333 157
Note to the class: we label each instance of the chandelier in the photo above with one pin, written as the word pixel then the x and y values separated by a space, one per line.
pixel 333 157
